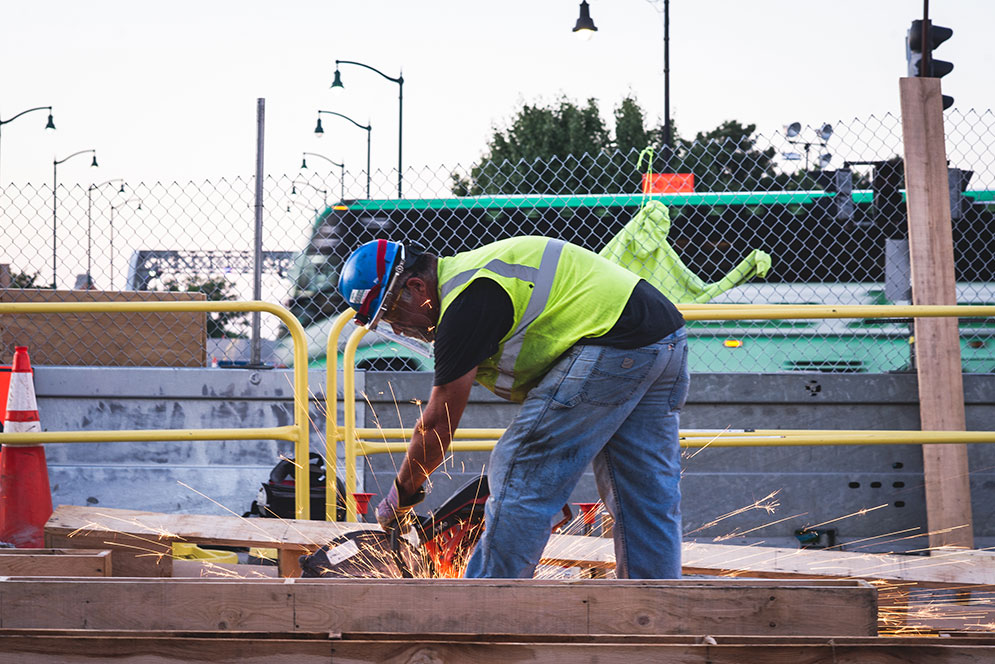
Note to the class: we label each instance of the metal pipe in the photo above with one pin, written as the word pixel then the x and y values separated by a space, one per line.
pixel 255 358
pixel 349 397
pixel 804 311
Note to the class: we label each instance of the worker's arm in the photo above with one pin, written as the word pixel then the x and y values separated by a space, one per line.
pixel 434 432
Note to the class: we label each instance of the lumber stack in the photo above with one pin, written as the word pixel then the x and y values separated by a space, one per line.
pixel 906 585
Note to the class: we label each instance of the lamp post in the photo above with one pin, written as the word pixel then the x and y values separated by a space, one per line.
pixel 302 206
pixel 585 28
pixel 663 8
pixel 118 207
pixel 319 132
pixel 304 157
pixel 49 126
pixel 323 192
pixel 55 200
pixel 337 83
pixel 89 218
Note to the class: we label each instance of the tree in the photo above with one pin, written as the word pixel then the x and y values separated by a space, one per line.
pixel 725 159
pixel 25 280
pixel 567 149
pixel 216 289
pixel 563 148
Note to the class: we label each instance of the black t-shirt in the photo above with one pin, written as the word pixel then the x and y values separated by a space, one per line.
pixel 482 314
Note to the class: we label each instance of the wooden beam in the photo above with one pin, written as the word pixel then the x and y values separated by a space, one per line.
pixel 579 551
pixel 205 568
pixel 142 541
pixel 726 606
pixel 945 566
pixel 937 340
pixel 30 646
pixel 54 562
pixel 952 567
pixel 833 651
pixel 26 647
pixel 909 595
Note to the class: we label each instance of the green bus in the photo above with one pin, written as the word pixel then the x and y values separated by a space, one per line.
pixel 827 248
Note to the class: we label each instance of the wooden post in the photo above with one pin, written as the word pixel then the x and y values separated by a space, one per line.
pixel 937 341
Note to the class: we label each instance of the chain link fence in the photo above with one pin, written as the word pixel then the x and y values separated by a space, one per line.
pixel 811 215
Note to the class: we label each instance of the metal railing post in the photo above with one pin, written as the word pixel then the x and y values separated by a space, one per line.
pixel 332 432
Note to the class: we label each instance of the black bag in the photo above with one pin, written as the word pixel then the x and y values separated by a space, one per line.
pixel 277 498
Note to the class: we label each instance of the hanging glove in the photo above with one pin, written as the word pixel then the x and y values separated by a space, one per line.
pixel 395 512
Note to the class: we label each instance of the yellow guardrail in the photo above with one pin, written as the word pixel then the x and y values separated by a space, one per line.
pixel 364 441
pixel 297 433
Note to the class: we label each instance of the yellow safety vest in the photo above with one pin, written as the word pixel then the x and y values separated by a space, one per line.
pixel 560 293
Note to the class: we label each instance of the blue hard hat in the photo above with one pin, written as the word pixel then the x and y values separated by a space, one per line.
pixel 368 275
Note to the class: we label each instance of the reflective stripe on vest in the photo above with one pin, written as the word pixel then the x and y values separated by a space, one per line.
pixel 543 281
pixel 510 270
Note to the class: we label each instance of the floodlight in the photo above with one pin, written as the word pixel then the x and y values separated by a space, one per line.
pixel 793 129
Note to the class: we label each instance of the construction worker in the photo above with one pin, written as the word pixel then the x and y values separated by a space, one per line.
pixel 597 358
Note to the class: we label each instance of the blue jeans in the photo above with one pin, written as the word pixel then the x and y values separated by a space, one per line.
pixel 618 409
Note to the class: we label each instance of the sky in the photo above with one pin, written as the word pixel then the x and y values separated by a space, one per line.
pixel 167 91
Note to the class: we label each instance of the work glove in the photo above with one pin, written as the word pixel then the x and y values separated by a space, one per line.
pixel 314 565
pixel 393 512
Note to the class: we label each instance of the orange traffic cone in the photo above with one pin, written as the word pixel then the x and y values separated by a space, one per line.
pixel 25 497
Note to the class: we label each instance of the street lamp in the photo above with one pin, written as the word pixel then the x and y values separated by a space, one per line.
pixel 55 200
pixel 89 219
pixel 323 192
pixel 49 126
pixel 337 83
pixel 319 132
pixel 304 157
pixel 585 28
pixel 118 207
pixel 302 206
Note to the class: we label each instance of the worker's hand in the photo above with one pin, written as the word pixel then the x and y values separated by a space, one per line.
pixel 394 511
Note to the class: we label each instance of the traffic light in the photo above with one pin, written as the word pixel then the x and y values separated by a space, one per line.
pixel 916 53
